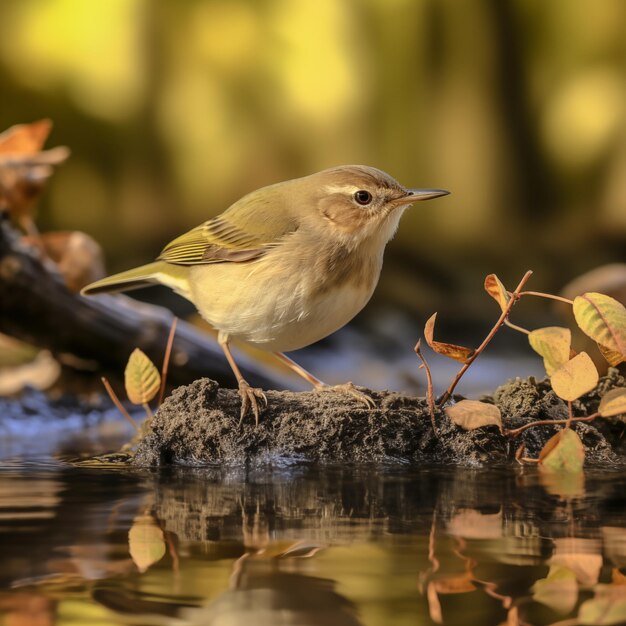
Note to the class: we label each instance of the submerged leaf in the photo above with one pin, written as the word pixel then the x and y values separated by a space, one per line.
pixel 563 453
pixel 604 319
pixel 613 403
pixel 553 344
pixel 458 353
pixel 495 288
pixel 146 543
pixel 577 377
pixel 141 378
pixel 472 414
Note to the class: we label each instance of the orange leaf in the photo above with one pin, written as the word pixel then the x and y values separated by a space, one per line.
pixel 25 138
pixel 495 288
pixel 458 353
pixel 575 378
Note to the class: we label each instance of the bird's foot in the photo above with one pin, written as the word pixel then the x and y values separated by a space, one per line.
pixel 351 390
pixel 250 397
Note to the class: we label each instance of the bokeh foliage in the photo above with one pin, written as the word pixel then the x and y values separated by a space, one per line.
pixel 175 109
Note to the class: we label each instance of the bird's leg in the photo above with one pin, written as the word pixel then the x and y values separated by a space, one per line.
pixel 249 395
pixel 319 385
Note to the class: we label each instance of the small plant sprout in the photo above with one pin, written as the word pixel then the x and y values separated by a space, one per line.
pixel 571 375
pixel 142 379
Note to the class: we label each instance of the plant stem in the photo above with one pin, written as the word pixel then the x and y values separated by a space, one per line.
pixel 166 360
pixel 519 329
pixel 515 432
pixel 571 414
pixel 514 297
pixel 430 394
pixel 550 296
pixel 117 403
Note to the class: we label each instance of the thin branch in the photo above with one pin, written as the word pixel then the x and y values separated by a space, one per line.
pixel 515 432
pixel 505 313
pixel 430 394
pixel 166 360
pixel 570 412
pixel 519 329
pixel 550 296
pixel 118 404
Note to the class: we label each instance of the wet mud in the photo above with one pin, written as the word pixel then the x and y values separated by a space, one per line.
pixel 199 425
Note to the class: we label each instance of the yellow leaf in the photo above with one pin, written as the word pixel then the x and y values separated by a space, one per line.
pixel 553 344
pixel 141 378
pixel 472 414
pixel 559 590
pixel 458 353
pixel 562 453
pixel 612 358
pixel 602 318
pixel 613 402
pixel 146 543
pixel 497 291
pixel 577 377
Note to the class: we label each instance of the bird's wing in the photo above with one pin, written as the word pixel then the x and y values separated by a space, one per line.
pixel 225 238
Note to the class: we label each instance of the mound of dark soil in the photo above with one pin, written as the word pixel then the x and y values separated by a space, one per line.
pixel 199 425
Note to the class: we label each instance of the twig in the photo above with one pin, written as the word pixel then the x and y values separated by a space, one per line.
pixel 570 412
pixel 430 394
pixel 166 360
pixel 117 403
pixel 515 432
pixel 550 296
pixel 514 298
pixel 519 329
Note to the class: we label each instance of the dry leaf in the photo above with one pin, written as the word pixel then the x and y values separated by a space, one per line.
pixel 613 403
pixel 141 378
pixel 472 414
pixel 553 344
pixel 24 169
pixel 497 291
pixel 458 353
pixel 562 453
pixel 577 377
pixel 559 590
pixel 78 256
pixel 603 319
pixel 612 357
pixel 146 543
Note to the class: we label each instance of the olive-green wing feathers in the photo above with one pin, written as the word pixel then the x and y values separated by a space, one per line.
pixel 245 232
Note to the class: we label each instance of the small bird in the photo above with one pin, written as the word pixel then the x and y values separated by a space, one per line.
pixel 284 266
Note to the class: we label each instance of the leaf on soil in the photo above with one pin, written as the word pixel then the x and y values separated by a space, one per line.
pixel 472 414
pixel 559 590
pixel 78 256
pixel 458 353
pixel 25 168
pixel 562 453
pixel 146 543
pixel 604 319
pixel 495 288
pixel 553 344
pixel 613 403
pixel 141 378
pixel 575 378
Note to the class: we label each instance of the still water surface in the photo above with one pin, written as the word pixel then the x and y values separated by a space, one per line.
pixel 92 546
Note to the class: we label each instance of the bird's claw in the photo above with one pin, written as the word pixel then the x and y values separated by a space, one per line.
pixel 250 397
pixel 351 390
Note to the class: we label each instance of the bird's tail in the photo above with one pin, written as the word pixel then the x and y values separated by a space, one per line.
pixel 159 272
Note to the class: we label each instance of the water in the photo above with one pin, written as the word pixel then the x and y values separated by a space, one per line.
pixel 304 545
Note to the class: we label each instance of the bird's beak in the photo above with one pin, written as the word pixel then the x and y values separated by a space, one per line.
pixel 416 195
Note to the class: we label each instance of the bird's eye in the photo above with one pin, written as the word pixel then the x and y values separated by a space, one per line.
pixel 363 197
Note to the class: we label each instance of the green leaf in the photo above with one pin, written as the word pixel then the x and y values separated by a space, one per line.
pixel 613 403
pixel 604 319
pixel 497 291
pixel 553 344
pixel 472 414
pixel 458 353
pixel 563 453
pixel 559 590
pixel 141 378
pixel 575 378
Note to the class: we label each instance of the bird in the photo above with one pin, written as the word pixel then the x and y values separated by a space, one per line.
pixel 284 266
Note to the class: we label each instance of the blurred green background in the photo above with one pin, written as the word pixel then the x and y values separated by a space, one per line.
pixel 173 110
